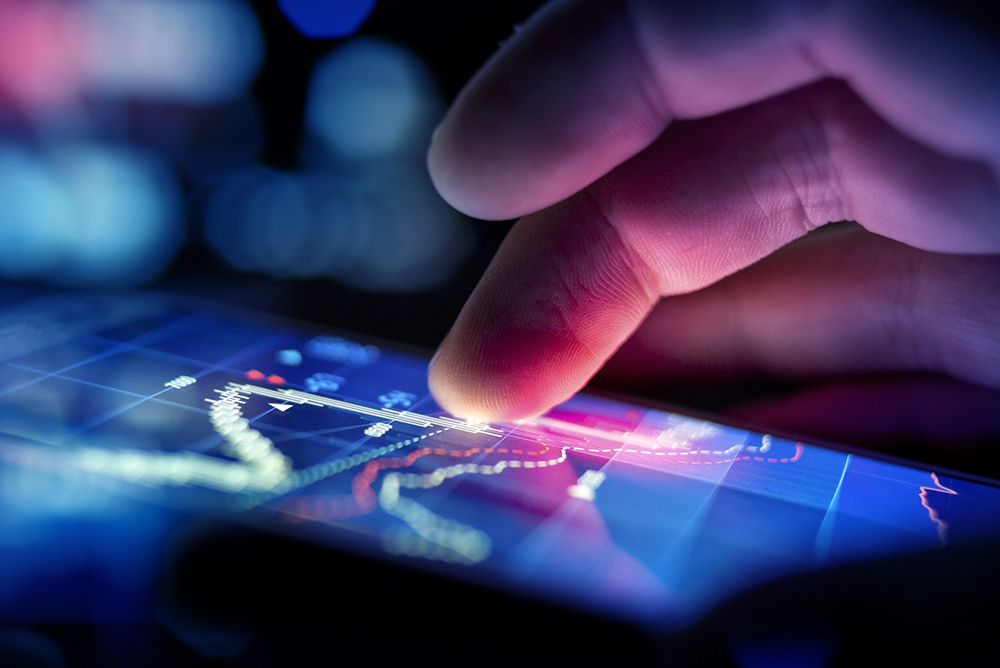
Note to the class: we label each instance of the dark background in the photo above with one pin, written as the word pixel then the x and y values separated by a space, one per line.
pixel 454 38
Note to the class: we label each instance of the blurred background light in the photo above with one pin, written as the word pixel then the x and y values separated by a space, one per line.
pixel 126 125
pixel 363 211
pixel 324 19
pixel 415 242
pixel 36 215
pixel 193 51
pixel 382 229
pixel 87 215
pixel 42 44
pixel 127 224
pixel 371 98
pixel 227 219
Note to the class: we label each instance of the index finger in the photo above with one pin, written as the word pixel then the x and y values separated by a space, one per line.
pixel 589 83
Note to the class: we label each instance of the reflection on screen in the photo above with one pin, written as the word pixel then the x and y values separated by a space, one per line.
pixel 634 512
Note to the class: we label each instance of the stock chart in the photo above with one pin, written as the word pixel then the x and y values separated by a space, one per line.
pixel 634 512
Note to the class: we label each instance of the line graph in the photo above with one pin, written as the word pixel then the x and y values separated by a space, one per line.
pixel 261 472
pixel 362 500
pixel 380 414
pixel 337 444
pixel 260 466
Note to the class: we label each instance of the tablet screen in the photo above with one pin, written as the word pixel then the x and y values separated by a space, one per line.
pixel 632 512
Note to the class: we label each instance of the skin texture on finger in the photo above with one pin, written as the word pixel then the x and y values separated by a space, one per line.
pixel 537 323
pixel 588 83
pixel 839 301
pixel 707 199
pixel 787 165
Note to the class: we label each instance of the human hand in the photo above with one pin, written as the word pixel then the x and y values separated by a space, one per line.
pixel 657 148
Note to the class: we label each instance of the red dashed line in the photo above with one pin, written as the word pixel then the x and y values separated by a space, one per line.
pixel 362 499
pixel 785 460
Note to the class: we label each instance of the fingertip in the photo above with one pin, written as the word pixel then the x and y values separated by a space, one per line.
pixel 560 296
pixel 452 397
pixel 466 392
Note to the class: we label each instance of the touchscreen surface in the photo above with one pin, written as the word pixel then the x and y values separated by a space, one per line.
pixel 633 512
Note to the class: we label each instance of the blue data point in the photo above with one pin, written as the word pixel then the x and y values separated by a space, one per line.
pixel 290 357
pixel 326 19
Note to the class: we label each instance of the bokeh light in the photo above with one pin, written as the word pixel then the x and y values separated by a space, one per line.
pixel 363 209
pixel 195 51
pixel 86 214
pixel 36 215
pixel 127 224
pixel 120 117
pixel 42 47
pixel 325 19
pixel 385 229
pixel 371 98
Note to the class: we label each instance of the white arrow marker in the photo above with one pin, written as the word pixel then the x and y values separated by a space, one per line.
pixel 281 407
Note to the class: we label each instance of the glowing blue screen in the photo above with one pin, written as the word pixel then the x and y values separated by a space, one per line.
pixel 111 410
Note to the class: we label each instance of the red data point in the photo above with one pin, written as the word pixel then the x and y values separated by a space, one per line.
pixel 275 380
pixel 253 374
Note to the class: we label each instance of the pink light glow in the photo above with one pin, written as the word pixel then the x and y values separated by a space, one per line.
pixel 925 501
pixel 42 43
pixel 194 51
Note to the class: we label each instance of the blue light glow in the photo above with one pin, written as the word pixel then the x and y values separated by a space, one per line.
pixel 237 222
pixel 86 215
pixel 325 19
pixel 127 226
pixel 372 98
pixel 384 228
pixel 36 215
pixel 366 212
pixel 191 51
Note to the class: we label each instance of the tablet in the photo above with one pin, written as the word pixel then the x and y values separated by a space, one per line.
pixel 611 509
